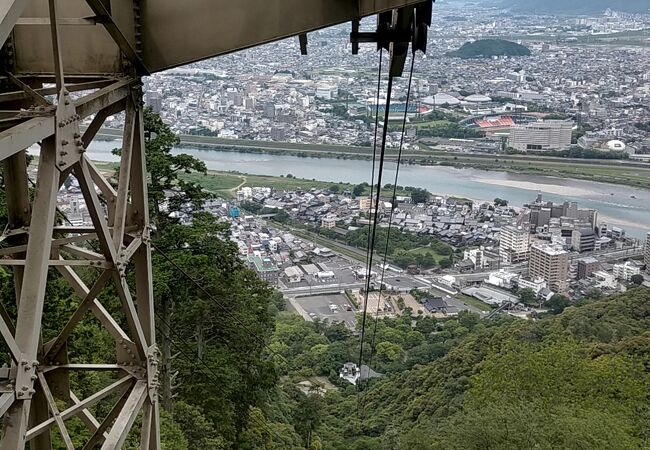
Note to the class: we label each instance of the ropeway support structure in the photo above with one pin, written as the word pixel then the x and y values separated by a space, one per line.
pixel 67 61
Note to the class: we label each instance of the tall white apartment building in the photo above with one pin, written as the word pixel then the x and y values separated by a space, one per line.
pixel 514 244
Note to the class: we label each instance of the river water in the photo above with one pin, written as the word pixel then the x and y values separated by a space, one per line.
pixel 622 206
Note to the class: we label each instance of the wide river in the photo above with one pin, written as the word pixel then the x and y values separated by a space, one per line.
pixel 617 205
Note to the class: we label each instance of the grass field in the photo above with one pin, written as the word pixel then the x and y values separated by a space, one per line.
pixel 428 251
pixel 430 123
pixel 615 172
pixel 226 183
pixel 474 302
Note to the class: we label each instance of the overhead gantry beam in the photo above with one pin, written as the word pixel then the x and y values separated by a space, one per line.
pixel 147 32
pixel 216 27
pixel 113 29
pixel 10 11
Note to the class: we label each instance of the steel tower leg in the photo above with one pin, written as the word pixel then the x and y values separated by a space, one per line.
pixel 37 244
pixel 120 230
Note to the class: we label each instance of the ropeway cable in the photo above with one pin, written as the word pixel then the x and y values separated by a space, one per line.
pixel 374 151
pixel 374 215
pixel 392 209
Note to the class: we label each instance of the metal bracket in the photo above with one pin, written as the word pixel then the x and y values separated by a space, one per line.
pixel 25 377
pixel 395 30
pixel 69 146
pixel 127 354
pixel 302 38
pixel 153 372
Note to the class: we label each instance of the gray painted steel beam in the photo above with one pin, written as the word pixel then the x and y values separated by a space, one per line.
pixel 30 309
pixel 117 387
pixel 124 422
pixel 10 11
pixel 122 42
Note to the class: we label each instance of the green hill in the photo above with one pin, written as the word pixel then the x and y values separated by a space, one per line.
pixel 487 48
pixel 574 381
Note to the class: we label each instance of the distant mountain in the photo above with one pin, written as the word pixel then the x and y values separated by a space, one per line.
pixel 487 48
pixel 575 7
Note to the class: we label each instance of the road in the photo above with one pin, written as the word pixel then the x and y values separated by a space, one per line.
pixel 611 255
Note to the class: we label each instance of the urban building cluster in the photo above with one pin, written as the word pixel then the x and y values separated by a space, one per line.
pixel 329 95
pixel 548 248
pixel 456 221
pixel 595 97
pixel 540 245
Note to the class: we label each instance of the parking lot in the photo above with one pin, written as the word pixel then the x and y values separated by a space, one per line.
pixel 330 307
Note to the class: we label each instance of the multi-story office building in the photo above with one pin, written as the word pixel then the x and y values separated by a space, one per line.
pixel 541 213
pixel 514 244
pixel 587 266
pixel 550 263
pixel 545 135
pixel 365 203
pixel 583 240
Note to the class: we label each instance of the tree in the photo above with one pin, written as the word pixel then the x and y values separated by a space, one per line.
pixel 527 296
pixel 389 351
pixel 500 202
pixel 446 263
pixel 557 303
pixel 308 415
pixel 281 216
pixel 359 189
pixel 637 279
pixel 199 432
pixel 164 169
pixel 168 194
pixel 334 188
pixel 419 195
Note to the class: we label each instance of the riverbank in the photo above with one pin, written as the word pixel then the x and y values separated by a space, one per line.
pixel 625 173
pixel 624 205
